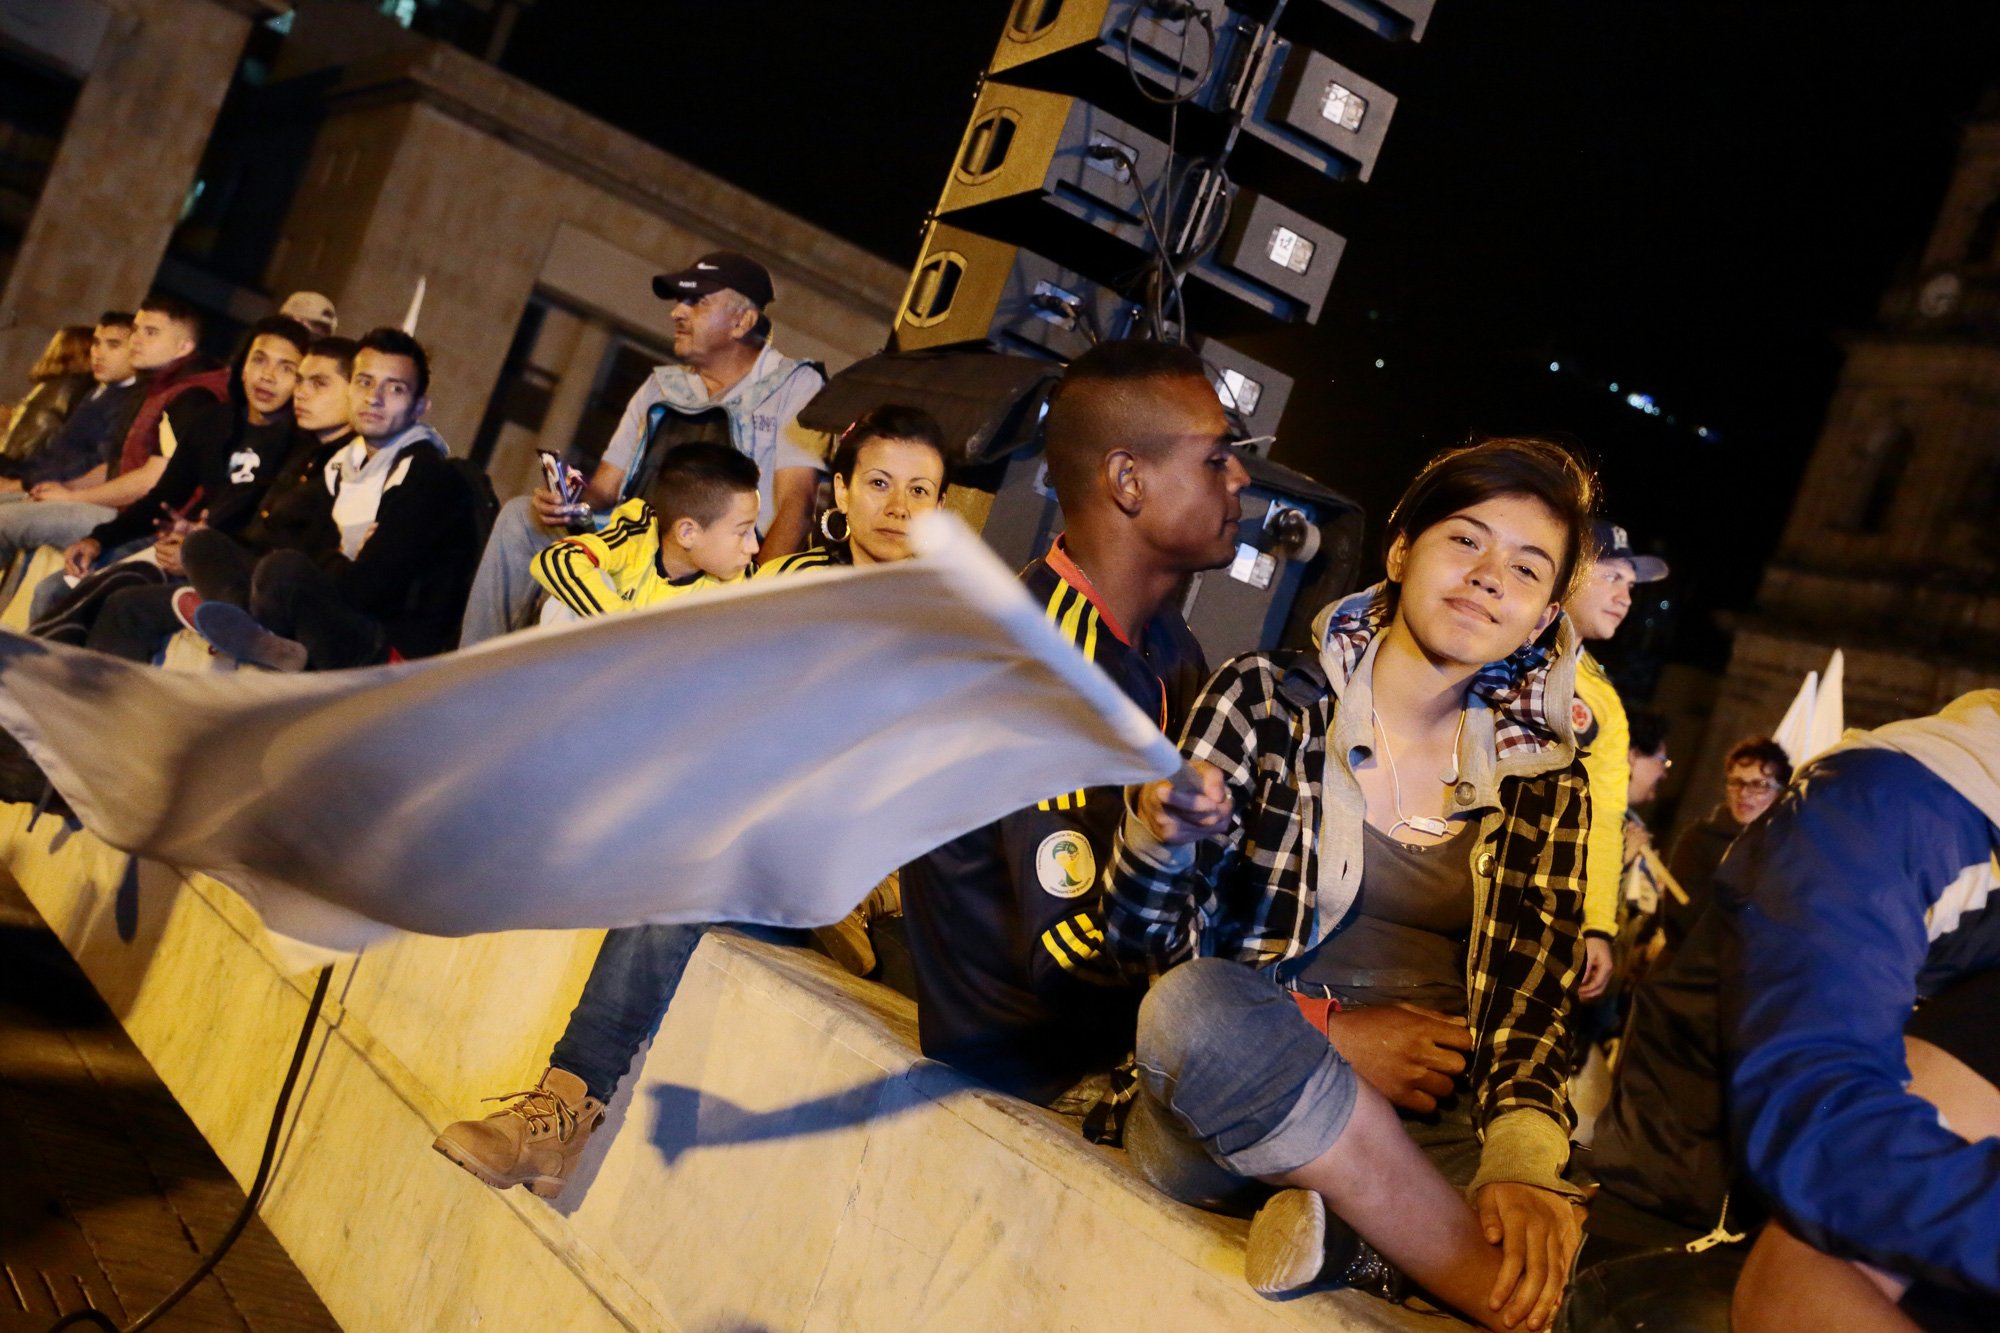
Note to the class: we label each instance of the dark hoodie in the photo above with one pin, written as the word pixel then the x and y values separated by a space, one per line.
pixel 1697 852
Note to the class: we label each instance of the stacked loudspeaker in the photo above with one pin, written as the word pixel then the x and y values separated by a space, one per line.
pixel 1153 168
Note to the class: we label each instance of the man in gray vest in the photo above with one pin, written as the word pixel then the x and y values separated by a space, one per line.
pixel 729 384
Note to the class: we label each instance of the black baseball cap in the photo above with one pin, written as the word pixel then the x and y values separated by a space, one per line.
pixel 1614 544
pixel 711 273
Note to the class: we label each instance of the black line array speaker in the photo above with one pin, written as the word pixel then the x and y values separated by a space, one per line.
pixel 1058 174
pixel 1168 52
pixel 1254 392
pixel 967 288
pixel 1273 259
pixel 1311 107
pixel 1127 151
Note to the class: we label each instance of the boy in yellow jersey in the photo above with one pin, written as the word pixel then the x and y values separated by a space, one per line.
pixel 698 530
pixel 1599 606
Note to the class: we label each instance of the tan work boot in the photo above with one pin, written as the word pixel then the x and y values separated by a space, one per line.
pixel 535 1141
pixel 846 942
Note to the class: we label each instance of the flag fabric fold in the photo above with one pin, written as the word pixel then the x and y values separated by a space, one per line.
pixel 763 753
pixel 1816 719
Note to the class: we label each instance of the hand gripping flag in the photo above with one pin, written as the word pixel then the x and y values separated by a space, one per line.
pixel 763 753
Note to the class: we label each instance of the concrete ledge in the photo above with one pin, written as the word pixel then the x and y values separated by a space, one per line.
pixel 781 1160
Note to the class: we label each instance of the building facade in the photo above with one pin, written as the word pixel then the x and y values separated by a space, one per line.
pixel 533 228
pixel 1890 553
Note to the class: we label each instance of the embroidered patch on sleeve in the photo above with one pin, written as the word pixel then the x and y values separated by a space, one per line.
pixel 1065 865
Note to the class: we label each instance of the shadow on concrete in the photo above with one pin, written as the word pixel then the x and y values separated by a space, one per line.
pixel 686 1118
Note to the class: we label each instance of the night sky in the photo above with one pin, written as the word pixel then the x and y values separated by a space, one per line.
pixel 1693 200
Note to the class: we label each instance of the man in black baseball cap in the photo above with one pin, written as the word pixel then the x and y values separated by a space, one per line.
pixel 718 270
pixel 726 385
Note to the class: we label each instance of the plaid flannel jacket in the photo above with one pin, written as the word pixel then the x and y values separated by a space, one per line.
pixel 1251 893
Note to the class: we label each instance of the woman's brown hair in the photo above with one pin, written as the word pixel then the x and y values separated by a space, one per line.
pixel 68 353
pixel 1514 465
pixel 888 421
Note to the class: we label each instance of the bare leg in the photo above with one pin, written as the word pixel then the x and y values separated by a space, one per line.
pixel 1380 1183
pixel 1787 1284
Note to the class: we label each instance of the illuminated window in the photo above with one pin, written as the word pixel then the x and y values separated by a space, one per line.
pixel 1343 106
pixel 1288 249
pixel 1239 391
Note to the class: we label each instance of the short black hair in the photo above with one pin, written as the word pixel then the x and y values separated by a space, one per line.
pixel 115 319
pixel 1763 752
pixel 1648 731
pixel 179 311
pixel 889 421
pixel 392 341
pixel 1510 465
pixel 336 348
pixel 1073 449
pixel 291 330
pixel 699 480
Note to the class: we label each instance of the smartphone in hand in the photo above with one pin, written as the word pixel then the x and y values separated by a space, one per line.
pixel 566 484
pixel 564 481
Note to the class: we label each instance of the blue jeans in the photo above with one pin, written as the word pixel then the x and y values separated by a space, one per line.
pixel 58 523
pixel 51 590
pixel 27 524
pixel 637 971
pixel 503 591
pixel 1234 1084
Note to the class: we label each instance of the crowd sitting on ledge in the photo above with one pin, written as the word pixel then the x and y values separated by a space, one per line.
pixel 1358 1011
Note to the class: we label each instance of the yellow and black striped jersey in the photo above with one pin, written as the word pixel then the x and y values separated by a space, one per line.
pixel 1005 924
pixel 813 557
pixel 616 570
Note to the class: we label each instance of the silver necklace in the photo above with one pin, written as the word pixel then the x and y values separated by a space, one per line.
pixel 1431 825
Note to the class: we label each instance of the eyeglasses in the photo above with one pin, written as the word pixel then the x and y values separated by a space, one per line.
pixel 1747 785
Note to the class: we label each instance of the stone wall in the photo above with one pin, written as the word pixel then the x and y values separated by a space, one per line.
pixel 434 165
pixel 127 158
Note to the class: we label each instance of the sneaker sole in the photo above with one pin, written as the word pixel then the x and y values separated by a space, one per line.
pixel 1287 1246
pixel 542 1187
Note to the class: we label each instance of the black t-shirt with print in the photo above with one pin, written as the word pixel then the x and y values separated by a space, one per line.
pixel 1005 923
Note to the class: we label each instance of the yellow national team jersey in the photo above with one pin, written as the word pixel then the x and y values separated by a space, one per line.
pixel 618 569
pixel 1598 719
pixel 813 557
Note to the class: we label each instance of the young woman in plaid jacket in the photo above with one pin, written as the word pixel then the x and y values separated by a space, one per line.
pixel 1374 904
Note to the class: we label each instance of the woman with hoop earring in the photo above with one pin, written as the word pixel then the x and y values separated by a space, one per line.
pixel 888 467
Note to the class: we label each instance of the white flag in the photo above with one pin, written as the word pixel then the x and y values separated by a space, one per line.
pixel 764 753
pixel 1794 733
pixel 1814 722
pixel 416 308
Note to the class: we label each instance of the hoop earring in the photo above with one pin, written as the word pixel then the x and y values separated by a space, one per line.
pixel 826 527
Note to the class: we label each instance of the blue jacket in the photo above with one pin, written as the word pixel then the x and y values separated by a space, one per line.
pixel 1866 887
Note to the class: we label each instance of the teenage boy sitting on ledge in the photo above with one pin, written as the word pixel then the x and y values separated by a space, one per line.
pixel 699 529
